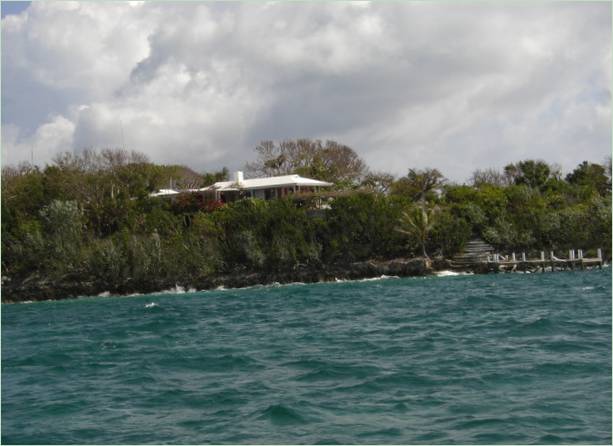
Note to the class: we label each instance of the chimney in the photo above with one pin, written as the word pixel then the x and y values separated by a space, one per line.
pixel 239 177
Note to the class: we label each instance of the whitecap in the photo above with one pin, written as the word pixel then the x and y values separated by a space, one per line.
pixel 151 305
pixel 381 277
pixel 178 289
pixel 447 273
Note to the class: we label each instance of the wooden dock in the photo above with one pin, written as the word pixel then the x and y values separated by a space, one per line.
pixel 479 256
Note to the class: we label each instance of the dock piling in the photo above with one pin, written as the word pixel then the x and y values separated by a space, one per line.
pixel 599 254
pixel 552 257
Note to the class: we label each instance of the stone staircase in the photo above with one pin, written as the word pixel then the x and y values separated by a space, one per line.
pixel 475 251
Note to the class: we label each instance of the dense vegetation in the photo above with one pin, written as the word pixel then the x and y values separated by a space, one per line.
pixel 90 217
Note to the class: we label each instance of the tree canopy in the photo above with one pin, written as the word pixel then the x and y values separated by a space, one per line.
pixel 329 161
pixel 419 185
pixel 90 217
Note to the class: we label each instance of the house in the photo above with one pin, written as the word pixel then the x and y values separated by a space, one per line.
pixel 263 188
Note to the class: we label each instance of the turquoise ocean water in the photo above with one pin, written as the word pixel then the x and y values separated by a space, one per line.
pixel 467 359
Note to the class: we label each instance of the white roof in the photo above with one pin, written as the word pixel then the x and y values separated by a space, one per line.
pixel 164 192
pixel 252 184
pixel 265 183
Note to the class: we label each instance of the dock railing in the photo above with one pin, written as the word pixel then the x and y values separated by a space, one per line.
pixel 575 260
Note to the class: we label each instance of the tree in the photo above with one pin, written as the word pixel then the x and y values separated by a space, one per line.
pixel 333 162
pixel 490 176
pixel 449 233
pixel 360 226
pixel 281 158
pixel 419 185
pixel 63 226
pixel 590 175
pixel 379 182
pixel 90 160
pixel 533 173
pixel 336 163
pixel 209 178
pixel 418 221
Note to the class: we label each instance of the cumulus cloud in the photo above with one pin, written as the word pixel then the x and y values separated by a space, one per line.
pixel 49 139
pixel 457 87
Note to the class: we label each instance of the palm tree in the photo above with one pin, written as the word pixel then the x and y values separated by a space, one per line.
pixel 418 221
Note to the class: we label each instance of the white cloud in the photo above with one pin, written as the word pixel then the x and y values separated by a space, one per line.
pixel 50 138
pixel 456 87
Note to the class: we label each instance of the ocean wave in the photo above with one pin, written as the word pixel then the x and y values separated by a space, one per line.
pixel 281 414
pixel 259 286
pixel 381 277
pixel 277 285
pixel 389 432
pixel 337 372
pixel 177 289
pixel 448 273
pixel 367 279
pixel 536 327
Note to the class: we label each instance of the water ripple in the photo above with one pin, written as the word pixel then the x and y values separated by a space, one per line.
pixel 448 360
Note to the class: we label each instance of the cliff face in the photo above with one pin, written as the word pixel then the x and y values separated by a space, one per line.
pixel 38 290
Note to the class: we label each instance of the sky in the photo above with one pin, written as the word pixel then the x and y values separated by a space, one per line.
pixel 13 7
pixel 457 87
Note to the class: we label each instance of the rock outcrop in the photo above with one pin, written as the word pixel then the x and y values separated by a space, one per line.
pixel 40 290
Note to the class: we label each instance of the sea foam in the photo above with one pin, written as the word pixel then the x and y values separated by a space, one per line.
pixel 447 273
pixel 178 290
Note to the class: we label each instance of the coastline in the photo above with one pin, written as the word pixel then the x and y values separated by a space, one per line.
pixel 32 291
pixel 67 289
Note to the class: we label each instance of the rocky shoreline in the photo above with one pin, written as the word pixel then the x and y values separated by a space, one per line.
pixel 36 290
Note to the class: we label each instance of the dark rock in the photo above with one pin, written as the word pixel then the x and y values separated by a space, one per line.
pixel 38 289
